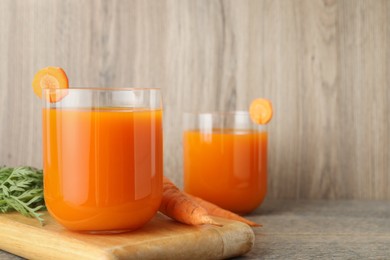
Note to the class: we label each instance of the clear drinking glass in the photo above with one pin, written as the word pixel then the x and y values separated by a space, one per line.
pixel 103 157
pixel 225 159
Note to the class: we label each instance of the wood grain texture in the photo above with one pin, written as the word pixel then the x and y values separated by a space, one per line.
pixel 161 238
pixel 317 229
pixel 343 229
pixel 325 64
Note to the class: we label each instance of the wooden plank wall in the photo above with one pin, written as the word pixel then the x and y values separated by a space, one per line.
pixel 325 64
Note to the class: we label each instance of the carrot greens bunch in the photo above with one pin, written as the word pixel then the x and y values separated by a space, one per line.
pixel 21 189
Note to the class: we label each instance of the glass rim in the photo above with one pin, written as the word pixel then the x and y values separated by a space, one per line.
pixel 101 89
pixel 220 119
pixel 218 113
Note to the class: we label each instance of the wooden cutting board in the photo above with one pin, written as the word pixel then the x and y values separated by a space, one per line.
pixel 161 238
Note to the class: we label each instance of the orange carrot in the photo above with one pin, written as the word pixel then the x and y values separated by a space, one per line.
pixel 216 211
pixel 261 111
pixel 181 207
pixel 53 78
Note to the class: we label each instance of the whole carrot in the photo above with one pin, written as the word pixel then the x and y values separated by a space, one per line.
pixel 181 207
pixel 214 210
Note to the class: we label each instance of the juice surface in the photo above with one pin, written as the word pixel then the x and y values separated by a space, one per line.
pixel 102 167
pixel 226 167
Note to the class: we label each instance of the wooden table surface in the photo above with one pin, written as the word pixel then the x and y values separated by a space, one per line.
pixel 317 229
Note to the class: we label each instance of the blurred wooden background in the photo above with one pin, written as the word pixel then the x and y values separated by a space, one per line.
pixel 325 65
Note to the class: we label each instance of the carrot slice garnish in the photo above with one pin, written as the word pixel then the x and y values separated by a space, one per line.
pixel 261 111
pixel 53 78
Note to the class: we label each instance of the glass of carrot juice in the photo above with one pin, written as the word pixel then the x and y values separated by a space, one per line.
pixel 225 159
pixel 103 157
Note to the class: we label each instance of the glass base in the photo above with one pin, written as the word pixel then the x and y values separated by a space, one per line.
pixel 104 232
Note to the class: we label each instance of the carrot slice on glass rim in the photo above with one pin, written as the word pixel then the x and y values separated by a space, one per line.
pixel 53 78
pixel 261 111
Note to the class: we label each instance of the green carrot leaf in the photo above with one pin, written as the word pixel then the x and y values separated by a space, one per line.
pixel 21 190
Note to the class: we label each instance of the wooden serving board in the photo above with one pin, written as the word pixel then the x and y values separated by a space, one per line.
pixel 161 238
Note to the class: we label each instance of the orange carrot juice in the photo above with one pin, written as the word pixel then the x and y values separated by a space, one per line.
pixel 102 167
pixel 226 167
